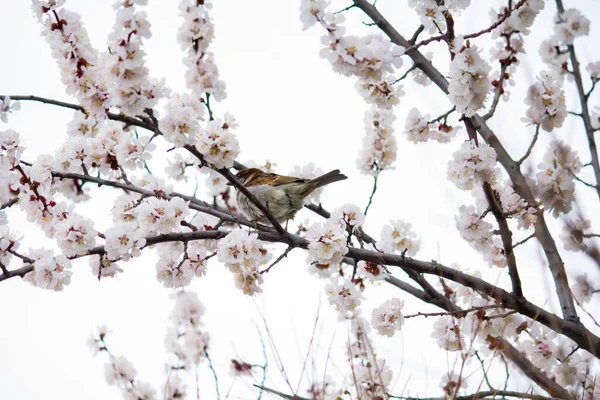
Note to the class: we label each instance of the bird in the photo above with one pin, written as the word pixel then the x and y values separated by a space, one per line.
pixel 282 195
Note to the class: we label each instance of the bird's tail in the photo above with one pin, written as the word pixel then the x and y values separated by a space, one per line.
pixel 330 177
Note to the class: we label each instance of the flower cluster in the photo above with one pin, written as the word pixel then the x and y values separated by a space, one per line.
pixel 349 215
pixel 418 129
pixel 344 297
pixel 398 237
pixel 555 180
pixel 571 24
pixel 371 271
pixel 218 144
pixel 380 92
pixel 75 235
pixel 388 317
pixel 77 60
pixel 478 233
pixel 451 383
pixel 370 372
pixel 327 243
pixel 520 20
pixel 379 144
pixel 49 271
pixel 180 124
pixel 431 14
pixel 178 264
pixel 447 332
pixel 186 338
pixel 123 241
pixel 474 229
pixel 546 101
pixel 102 147
pixel 243 253
pixel 372 58
pixel 469 84
pixel 156 216
pixel 195 35
pixel 6 108
pixel 312 11
pixel 10 149
pixel 514 206
pixel 132 91
pixel 121 373
pixel 473 164
pixel 573 234
pixel 582 289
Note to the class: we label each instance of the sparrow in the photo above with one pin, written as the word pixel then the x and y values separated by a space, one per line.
pixel 282 195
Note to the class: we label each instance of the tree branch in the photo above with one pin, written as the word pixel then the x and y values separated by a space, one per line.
pixel 555 262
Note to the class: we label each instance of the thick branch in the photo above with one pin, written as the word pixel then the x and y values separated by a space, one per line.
pixel 577 332
pixel 553 388
pixel 486 393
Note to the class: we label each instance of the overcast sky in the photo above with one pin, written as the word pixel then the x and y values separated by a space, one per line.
pixel 292 110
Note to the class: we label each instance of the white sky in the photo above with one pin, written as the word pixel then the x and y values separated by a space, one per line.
pixel 292 109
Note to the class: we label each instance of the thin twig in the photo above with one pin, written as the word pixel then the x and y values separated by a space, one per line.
pixel 487 381
pixel 372 194
pixel 520 242
pixel 530 148
pixel 444 116
pixel 458 313
pixel 216 378
pixel 281 257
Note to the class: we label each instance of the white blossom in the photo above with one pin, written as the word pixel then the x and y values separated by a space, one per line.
pixel 7 108
pixel 123 241
pixel 388 317
pixel 379 144
pixel 350 215
pixel 156 215
pixel 10 148
pixel 243 253
pixel 473 164
pixel 77 59
pixel 573 234
pixel 195 35
pixel 473 229
pixel 49 271
pixel 556 185
pixel 546 101
pixel 418 129
pixel 218 144
pixel 344 297
pixel 448 334
pixel 75 235
pixel 582 289
pixel 171 271
pixel 371 271
pixel 327 243
pixel 469 84
pixel 398 237
pixel 312 11
pixel 430 14
pixel 180 125
pixel 571 24
pixel 131 89
pixel 119 371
